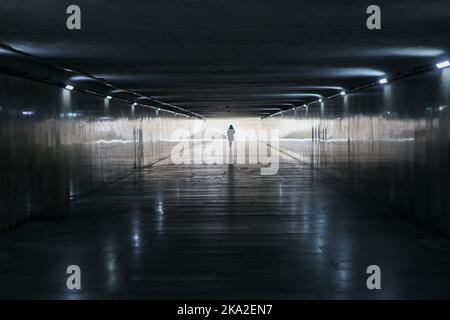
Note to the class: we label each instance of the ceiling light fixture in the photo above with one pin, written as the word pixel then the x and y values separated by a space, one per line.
pixel 443 64
pixel 108 97
pixel 383 81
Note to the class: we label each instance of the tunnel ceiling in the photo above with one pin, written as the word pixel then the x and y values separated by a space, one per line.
pixel 229 58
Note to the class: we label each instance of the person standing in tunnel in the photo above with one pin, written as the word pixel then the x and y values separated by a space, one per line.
pixel 230 135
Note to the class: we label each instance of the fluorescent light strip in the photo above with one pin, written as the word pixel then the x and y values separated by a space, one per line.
pixel 69 87
pixel 443 64
pixel 440 65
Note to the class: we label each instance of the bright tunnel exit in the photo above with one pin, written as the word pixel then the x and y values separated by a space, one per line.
pixel 240 141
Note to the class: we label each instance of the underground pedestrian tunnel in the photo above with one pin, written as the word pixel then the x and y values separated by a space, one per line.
pixel 114 154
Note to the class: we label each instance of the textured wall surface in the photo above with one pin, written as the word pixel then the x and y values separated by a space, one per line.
pixel 56 144
pixel 390 143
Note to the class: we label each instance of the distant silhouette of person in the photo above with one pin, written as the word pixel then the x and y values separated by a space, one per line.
pixel 230 135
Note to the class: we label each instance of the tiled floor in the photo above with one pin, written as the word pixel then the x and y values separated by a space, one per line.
pixel 223 231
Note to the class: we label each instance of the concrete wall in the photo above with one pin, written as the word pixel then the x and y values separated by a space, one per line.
pixel 390 143
pixel 56 144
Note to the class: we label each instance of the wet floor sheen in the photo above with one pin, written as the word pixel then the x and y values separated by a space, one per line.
pixel 223 231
